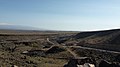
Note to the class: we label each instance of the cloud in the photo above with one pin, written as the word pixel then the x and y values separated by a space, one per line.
pixel 1 23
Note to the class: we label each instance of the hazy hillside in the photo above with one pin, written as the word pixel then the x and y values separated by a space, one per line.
pixel 107 39
pixel 94 37
pixel 99 37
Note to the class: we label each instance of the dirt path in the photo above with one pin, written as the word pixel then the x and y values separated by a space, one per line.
pixel 73 53
pixel 101 50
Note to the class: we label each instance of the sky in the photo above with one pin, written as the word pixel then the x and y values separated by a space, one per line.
pixel 68 15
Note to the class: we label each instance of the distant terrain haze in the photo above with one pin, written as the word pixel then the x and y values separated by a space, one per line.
pixel 18 27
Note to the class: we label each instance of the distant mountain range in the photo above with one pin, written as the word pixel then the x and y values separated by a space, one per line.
pixel 18 27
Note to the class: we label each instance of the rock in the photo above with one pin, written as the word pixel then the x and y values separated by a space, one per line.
pixel 86 65
pixel 80 62
pixel 24 52
pixel 14 66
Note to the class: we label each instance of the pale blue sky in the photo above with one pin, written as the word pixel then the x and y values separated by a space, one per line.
pixel 75 15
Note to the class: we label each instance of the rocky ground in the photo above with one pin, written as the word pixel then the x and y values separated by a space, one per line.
pixel 31 50
pixel 61 49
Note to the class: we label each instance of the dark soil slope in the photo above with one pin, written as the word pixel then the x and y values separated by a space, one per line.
pixel 55 49
pixel 99 37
